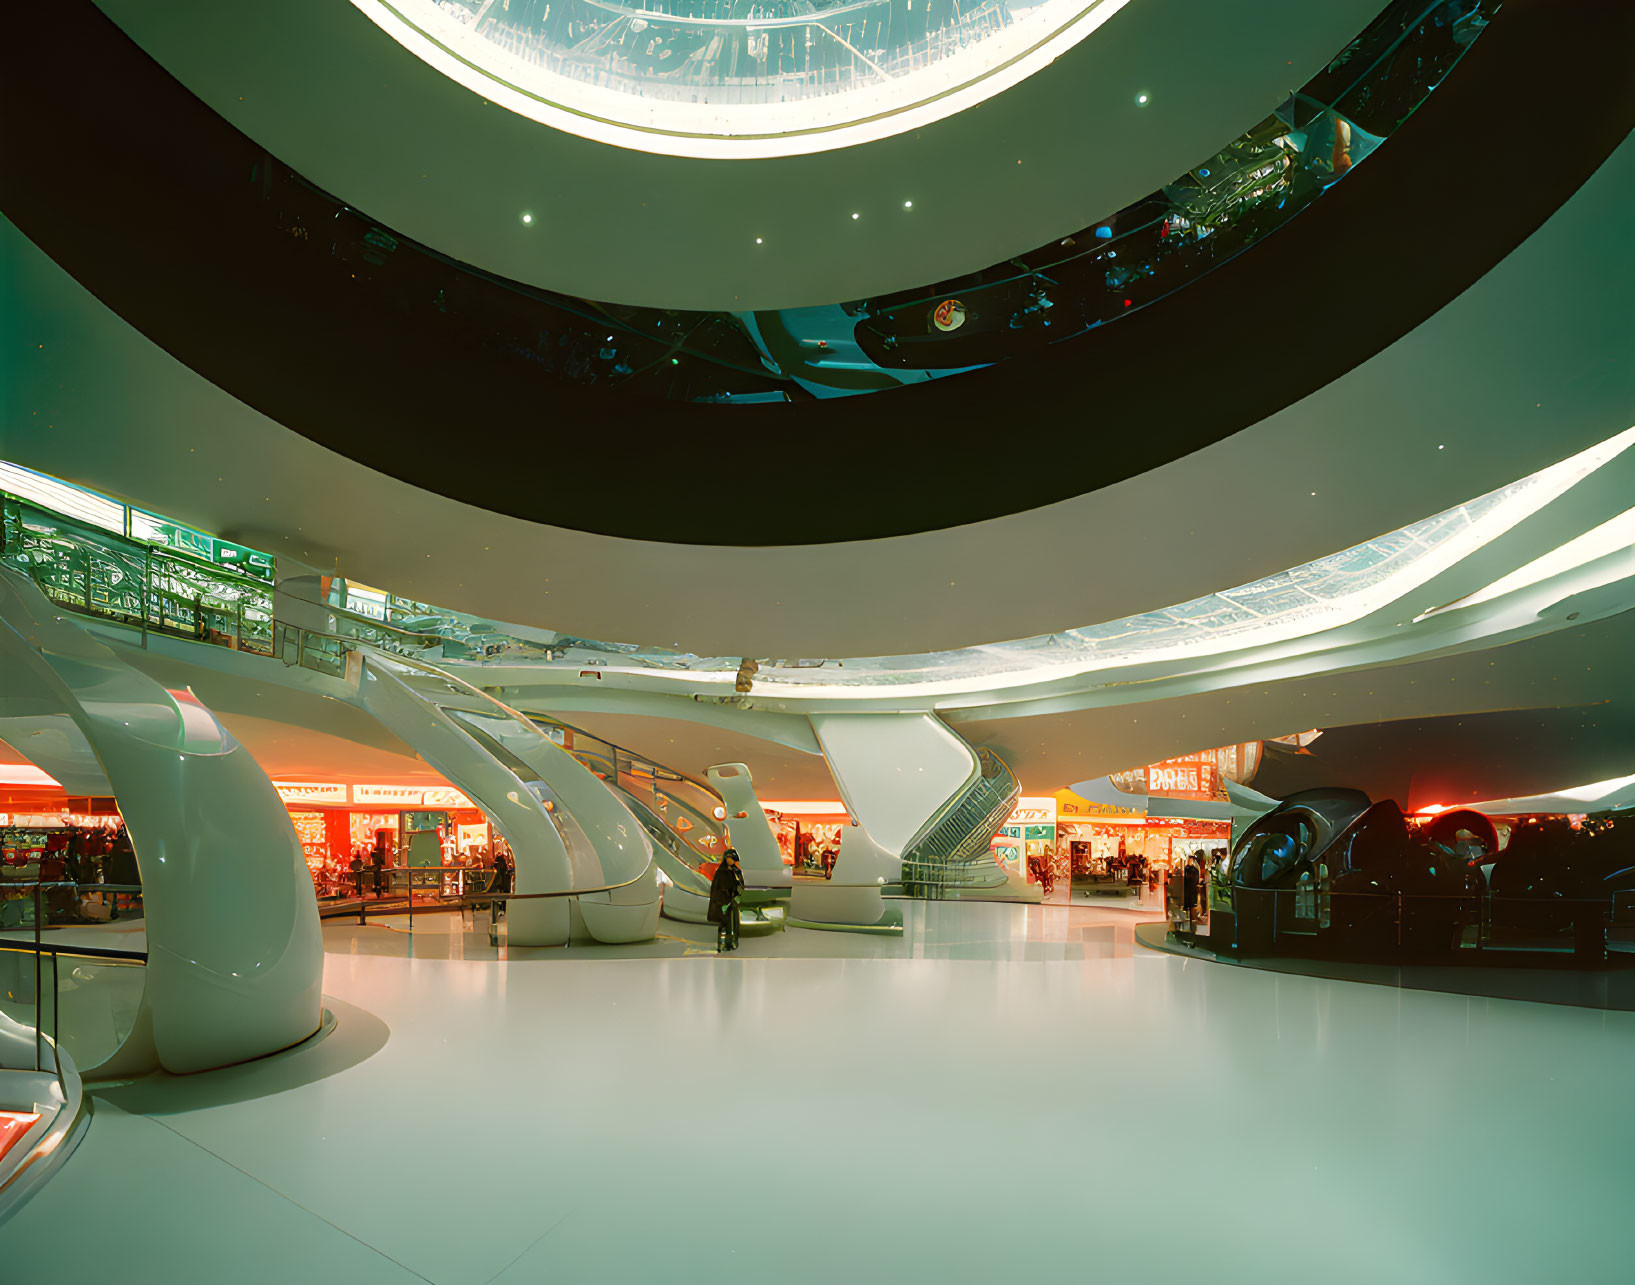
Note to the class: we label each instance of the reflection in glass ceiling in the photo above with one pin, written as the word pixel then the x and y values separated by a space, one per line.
pixel 733 67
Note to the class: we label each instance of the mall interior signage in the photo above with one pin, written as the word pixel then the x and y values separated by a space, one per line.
pixel 398 797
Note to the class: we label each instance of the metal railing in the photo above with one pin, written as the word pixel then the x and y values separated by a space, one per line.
pixel 41 949
pixel 493 901
pixel 98 573
pixel 1310 920
pixel 954 851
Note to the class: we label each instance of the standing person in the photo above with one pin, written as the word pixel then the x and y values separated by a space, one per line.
pixel 726 887
pixel 121 868
pixel 1189 889
pixel 502 874
pixel 357 872
pixel 378 861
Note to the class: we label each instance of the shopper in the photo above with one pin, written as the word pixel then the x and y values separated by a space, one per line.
pixel 357 872
pixel 378 861
pixel 726 887
pixel 1189 889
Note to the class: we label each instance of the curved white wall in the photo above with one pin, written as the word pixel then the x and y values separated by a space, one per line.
pixel 1528 366
pixel 235 962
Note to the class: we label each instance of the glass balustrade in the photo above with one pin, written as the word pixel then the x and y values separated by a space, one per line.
pixel 73 961
pixel 131 581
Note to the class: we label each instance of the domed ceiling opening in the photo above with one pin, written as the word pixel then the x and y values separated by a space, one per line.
pixel 746 78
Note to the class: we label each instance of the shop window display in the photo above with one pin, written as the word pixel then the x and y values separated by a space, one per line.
pixel 86 849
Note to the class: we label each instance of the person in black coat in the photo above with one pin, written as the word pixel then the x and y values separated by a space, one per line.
pixel 725 889
pixel 1191 877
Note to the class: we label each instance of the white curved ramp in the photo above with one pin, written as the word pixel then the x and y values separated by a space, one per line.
pixel 235 960
pixel 567 831
pixel 896 773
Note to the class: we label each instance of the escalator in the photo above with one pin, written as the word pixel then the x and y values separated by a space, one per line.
pixel 952 856
pixel 569 837
pixel 581 854
pixel 687 822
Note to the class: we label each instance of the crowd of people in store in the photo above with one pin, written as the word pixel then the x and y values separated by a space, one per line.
pixel 95 859
pixel 367 872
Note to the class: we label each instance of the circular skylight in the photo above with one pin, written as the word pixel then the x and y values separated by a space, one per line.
pixel 737 78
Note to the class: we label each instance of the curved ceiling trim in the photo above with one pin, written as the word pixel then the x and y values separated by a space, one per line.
pixel 726 134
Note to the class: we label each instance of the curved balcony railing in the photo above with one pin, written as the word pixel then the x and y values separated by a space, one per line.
pixel 691 814
pixel 97 572
pixel 70 980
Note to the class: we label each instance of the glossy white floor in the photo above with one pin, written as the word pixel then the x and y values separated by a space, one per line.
pixel 1005 1094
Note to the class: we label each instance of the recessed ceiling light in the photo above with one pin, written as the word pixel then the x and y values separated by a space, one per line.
pixel 908 205
pixel 1142 99
pixel 527 218
pixel 857 216
pixel 757 240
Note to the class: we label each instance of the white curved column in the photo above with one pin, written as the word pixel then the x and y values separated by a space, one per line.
pixel 235 960
pixel 540 855
pixel 566 830
pixel 747 828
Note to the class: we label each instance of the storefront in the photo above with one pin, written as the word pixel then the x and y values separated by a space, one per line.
pixel 808 832
pixel 420 827
pixel 49 842
pixel 1066 842
pixel 1027 841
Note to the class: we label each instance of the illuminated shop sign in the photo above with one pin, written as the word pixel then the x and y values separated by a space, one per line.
pixel 308 792
pixel 390 796
pixel 1039 810
pixel 1182 779
pixel 409 796
pixel 1071 806
pixel 1193 776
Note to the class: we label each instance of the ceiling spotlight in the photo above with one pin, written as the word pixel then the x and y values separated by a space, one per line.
pixel 757 240
pixel 857 216
pixel 908 205
pixel 527 218
pixel 1141 99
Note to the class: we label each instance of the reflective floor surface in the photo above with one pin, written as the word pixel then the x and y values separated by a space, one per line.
pixel 910 1110
pixel 931 930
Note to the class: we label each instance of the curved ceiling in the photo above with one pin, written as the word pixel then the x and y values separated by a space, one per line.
pixel 291 328
pixel 1526 367
pixel 326 91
